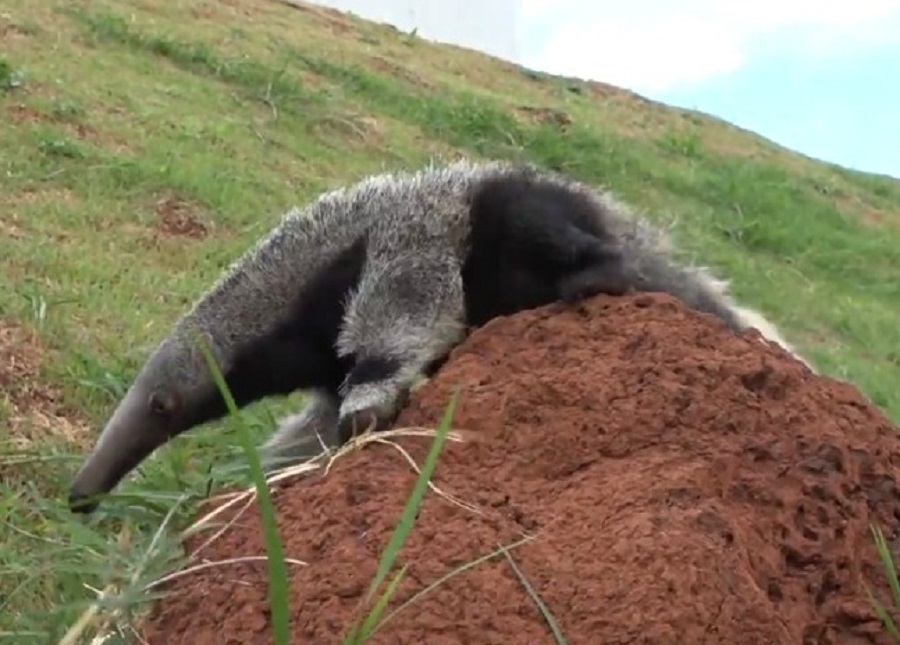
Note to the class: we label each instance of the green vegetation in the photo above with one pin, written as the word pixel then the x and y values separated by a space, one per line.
pixel 145 144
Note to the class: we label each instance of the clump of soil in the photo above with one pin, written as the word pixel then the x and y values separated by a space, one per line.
pixel 176 218
pixel 683 484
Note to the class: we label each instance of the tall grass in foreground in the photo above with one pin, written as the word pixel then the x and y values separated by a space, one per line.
pixel 359 633
pixel 890 570
pixel 278 581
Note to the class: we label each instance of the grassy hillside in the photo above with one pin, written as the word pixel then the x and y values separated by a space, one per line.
pixel 144 144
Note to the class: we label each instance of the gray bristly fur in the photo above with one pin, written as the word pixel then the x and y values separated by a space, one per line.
pixel 651 266
pixel 359 336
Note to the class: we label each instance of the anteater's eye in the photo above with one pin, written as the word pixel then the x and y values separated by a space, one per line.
pixel 161 403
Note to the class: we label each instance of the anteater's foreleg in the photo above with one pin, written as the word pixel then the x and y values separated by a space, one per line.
pixel 407 313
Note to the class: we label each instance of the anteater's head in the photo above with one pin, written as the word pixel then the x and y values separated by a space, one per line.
pixel 176 391
pixel 269 332
pixel 172 393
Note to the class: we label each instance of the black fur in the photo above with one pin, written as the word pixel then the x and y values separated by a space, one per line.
pixel 372 369
pixel 534 243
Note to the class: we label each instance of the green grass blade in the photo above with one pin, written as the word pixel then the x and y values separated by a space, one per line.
pixel 889 626
pixel 891 573
pixel 415 499
pixel 365 631
pixel 278 578
pixel 888 563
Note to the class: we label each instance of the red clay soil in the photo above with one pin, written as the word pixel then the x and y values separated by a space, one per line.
pixel 685 485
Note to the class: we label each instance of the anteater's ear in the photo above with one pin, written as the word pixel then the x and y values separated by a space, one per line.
pixel 162 404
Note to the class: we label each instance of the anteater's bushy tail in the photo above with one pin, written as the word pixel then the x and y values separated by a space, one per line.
pixel 651 265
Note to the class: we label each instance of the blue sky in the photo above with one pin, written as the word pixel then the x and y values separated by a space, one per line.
pixel 818 77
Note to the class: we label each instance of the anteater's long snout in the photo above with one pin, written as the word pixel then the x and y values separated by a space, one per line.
pixel 128 438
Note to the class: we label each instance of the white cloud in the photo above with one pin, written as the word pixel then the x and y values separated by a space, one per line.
pixel 654 45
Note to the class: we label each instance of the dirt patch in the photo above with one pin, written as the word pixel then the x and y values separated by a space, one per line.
pixel 877 217
pixel 606 92
pixel 867 214
pixel 360 131
pixel 20 113
pixel 683 484
pixel 37 195
pixel 335 20
pixel 395 70
pixel 13 34
pixel 544 116
pixel 35 409
pixel 209 9
pixel 10 229
pixel 475 70
pixel 177 218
